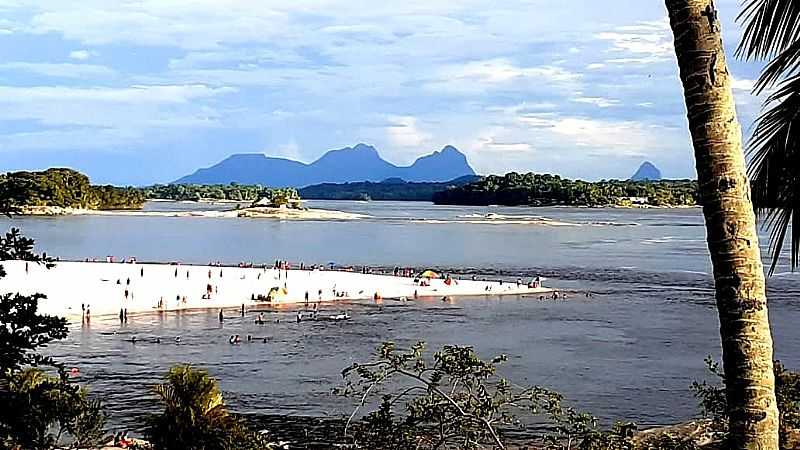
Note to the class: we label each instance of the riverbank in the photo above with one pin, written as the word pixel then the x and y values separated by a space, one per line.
pixel 105 288
pixel 254 212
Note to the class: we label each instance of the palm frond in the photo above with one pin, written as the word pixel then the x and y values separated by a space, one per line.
pixel 786 64
pixel 772 26
pixel 775 168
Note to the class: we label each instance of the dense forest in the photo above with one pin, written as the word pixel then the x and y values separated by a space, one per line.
pixel 390 189
pixel 64 188
pixel 231 192
pixel 514 189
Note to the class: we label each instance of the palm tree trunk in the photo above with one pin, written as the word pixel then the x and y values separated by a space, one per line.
pixel 730 225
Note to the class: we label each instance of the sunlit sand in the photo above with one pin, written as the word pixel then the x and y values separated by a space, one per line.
pixel 100 287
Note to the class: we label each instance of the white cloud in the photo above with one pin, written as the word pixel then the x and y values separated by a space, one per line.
pixel 129 95
pixel 87 118
pixel 600 102
pixel 501 70
pixel 742 84
pixel 60 70
pixel 643 43
pixel 81 55
pixel 403 131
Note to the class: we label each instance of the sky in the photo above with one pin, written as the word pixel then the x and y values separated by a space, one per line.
pixel 145 91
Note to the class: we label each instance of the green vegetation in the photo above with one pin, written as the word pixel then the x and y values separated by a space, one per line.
pixel 514 189
pixel 455 400
pixel 390 189
pixel 231 192
pixel 40 409
pixel 714 405
pixel 63 188
pixel 195 417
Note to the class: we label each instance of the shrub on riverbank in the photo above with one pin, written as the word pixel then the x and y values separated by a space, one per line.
pixel 195 416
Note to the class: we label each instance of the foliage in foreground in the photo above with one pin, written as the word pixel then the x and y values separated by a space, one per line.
pixel 714 406
pixel 195 417
pixel 457 401
pixel 39 410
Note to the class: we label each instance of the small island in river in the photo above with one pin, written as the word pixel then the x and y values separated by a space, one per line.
pixel 61 192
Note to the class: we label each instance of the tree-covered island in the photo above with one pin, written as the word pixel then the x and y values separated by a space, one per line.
pixel 63 189
pixel 515 189
pixel 234 192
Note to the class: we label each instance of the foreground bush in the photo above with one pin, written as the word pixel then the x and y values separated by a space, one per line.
pixel 195 417
pixel 455 400
pixel 38 409
pixel 787 391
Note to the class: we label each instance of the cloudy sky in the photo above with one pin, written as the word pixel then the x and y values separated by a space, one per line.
pixel 142 91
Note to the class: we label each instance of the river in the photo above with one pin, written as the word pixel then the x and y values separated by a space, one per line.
pixel 628 353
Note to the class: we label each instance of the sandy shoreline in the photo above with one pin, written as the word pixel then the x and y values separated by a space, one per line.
pixel 70 284
pixel 255 212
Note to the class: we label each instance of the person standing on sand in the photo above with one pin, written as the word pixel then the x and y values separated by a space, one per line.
pixel 176 272
pixel 141 272
pixel 121 316
pixel 26 268
pixel 221 318
pixel 126 294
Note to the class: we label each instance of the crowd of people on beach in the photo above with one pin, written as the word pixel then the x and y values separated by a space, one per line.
pixel 273 275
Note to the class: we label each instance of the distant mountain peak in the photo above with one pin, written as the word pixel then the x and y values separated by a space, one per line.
pixel 647 172
pixel 450 149
pixel 362 147
pixel 362 162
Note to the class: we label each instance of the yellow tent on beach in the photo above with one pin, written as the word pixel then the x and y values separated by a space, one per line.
pixel 429 274
pixel 277 293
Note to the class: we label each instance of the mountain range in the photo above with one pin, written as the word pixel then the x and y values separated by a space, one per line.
pixel 350 164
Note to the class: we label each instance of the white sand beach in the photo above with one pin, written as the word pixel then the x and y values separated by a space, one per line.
pixel 101 286
pixel 253 212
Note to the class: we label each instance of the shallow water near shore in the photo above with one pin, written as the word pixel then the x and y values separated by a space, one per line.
pixel 629 353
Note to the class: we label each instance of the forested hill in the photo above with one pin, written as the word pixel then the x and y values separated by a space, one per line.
pixel 63 188
pixel 515 189
pixel 389 189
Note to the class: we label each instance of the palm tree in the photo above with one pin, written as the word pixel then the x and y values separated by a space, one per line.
pixel 730 225
pixel 194 417
pixel 772 32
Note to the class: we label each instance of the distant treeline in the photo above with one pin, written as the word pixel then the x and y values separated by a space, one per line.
pixel 515 189
pixel 233 191
pixel 64 188
pixel 390 189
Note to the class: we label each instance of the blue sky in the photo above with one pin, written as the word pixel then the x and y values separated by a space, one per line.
pixel 136 92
